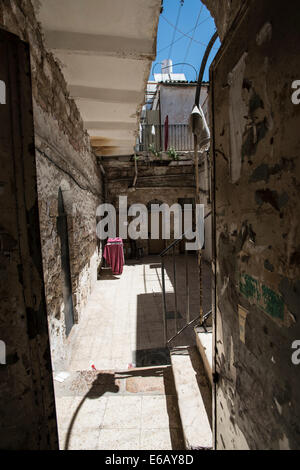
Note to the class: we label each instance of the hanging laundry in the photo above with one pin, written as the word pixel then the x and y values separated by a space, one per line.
pixel 114 254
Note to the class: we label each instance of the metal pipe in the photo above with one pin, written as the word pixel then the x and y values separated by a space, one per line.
pixel 164 300
pixel 187 287
pixel 203 65
pixel 175 288
pixel 196 159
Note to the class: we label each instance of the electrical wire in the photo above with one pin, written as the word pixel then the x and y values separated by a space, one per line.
pixel 175 29
pixel 192 38
pixel 179 30
pixel 173 65
pixel 44 154
pixel 183 35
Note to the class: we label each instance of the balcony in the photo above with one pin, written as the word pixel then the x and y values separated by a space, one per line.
pixel 161 138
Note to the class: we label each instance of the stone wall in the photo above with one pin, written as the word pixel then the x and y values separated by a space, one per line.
pixel 164 181
pixel 64 160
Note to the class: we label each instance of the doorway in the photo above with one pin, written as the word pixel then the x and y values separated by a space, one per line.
pixel 155 246
pixel 62 230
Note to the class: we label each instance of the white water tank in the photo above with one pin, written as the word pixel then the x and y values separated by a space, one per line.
pixel 167 66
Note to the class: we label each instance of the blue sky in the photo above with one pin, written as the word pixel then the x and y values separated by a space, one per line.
pixel 184 50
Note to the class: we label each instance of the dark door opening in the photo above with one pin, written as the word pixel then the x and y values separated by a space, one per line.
pixel 155 246
pixel 62 230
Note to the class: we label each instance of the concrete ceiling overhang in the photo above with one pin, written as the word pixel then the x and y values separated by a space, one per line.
pixel 105 48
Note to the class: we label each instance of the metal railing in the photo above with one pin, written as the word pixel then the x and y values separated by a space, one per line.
pixel 189 322
pixel 159 138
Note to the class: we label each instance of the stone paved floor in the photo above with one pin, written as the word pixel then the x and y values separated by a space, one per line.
pixel 124 313
pixel 132 410
pixel 115 407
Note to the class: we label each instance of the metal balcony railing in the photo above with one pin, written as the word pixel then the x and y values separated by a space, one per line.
pixel 188 322
pixel 161 138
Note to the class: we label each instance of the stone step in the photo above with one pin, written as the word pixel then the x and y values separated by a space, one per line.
pixel 194 397
pixel 204 344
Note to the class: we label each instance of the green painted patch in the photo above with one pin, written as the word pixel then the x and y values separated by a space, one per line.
pixel 249 287
pixel 272 303
pixel 265 298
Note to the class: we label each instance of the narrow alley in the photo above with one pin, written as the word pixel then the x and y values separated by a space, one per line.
pixel 123 319
pixel 121 336
pixel 149 226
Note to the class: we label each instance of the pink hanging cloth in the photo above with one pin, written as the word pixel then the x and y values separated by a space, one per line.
pixel 114 254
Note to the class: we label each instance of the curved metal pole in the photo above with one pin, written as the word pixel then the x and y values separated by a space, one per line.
pixel 196 158
pixel 164 304
pixel 203 65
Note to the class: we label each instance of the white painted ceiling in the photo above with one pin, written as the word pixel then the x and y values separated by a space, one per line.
pixel 105 48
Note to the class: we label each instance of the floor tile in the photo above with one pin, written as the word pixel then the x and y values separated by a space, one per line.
pixel 122 412
pixel 159 412
pixel 161 439
pixel 119 439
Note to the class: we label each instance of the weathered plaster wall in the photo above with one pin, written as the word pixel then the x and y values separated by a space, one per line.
pixel 64 160
pixel 256 155
pixel 223 12
pixel 177 102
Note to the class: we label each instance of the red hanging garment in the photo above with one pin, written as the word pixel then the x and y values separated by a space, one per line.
pixel 114 254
